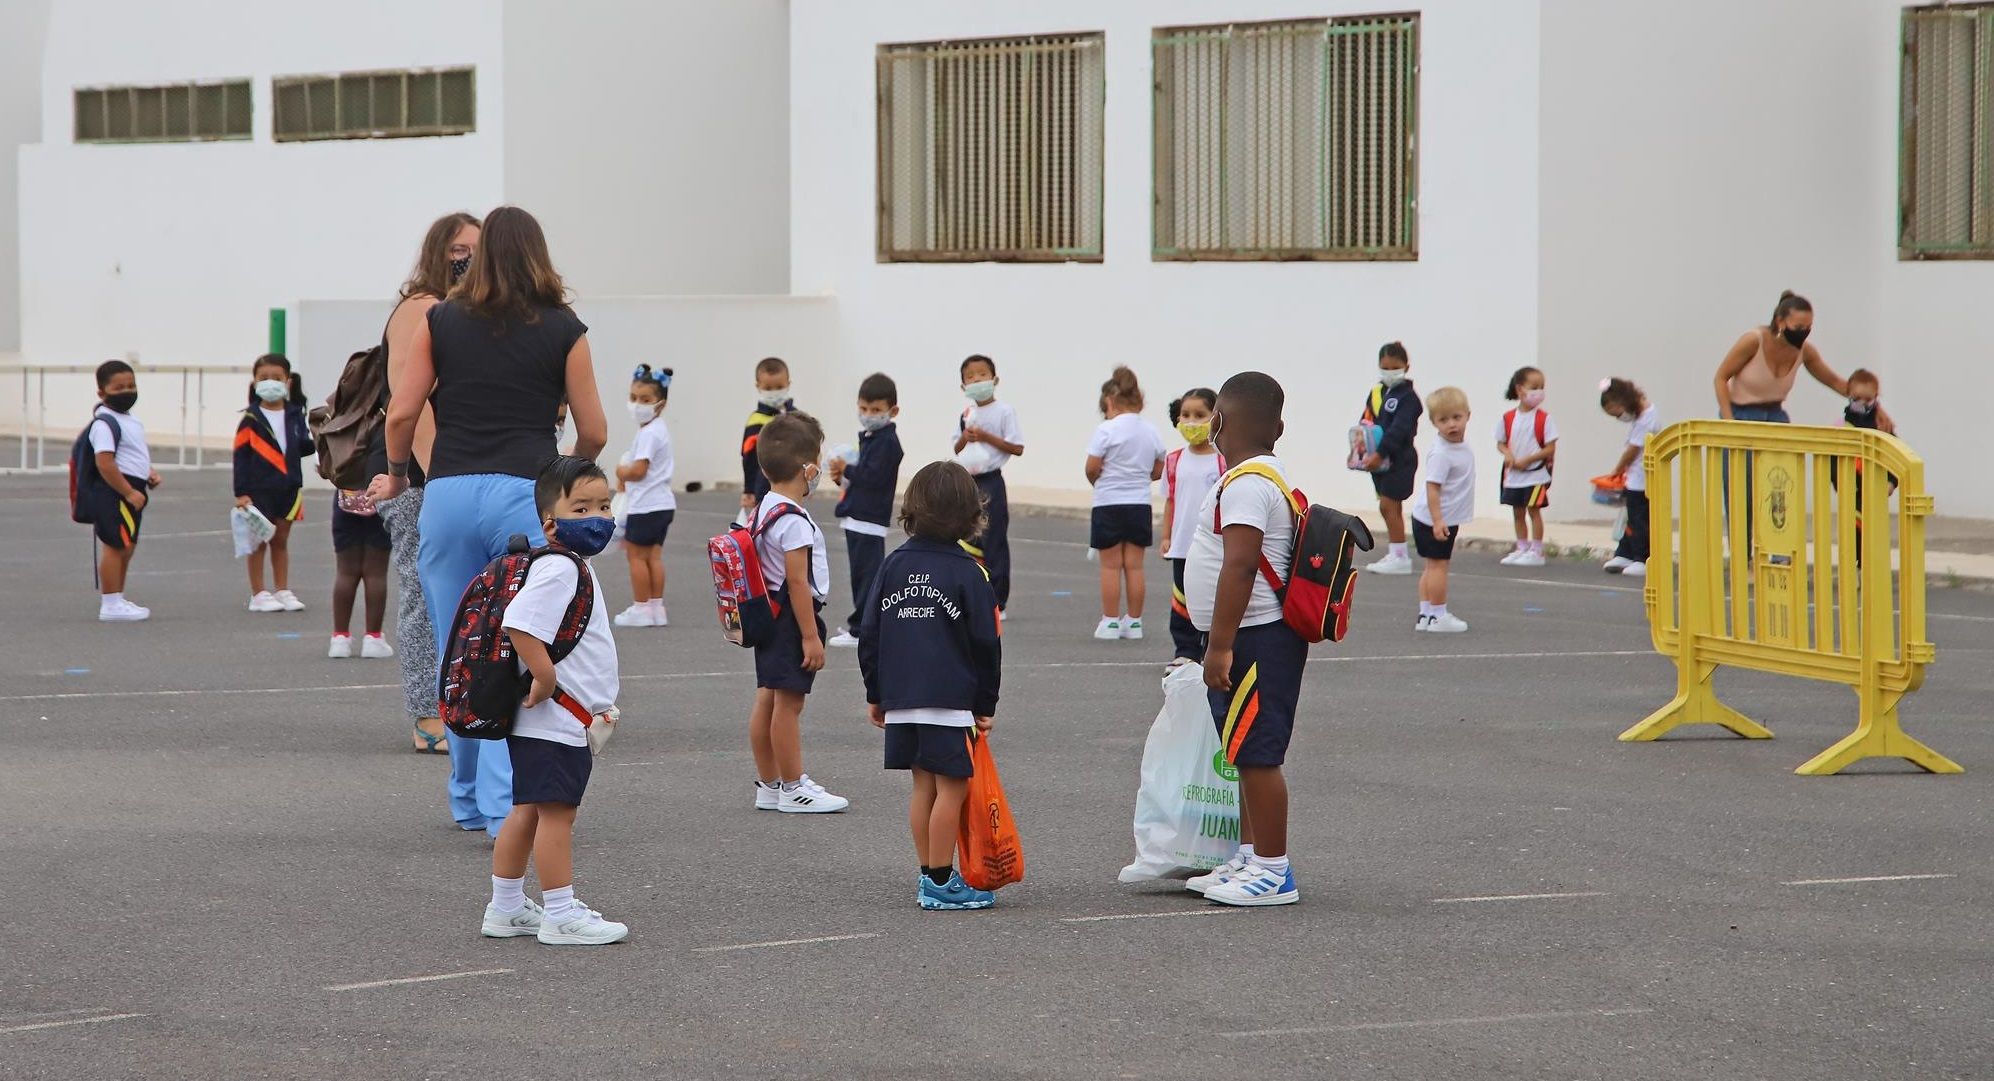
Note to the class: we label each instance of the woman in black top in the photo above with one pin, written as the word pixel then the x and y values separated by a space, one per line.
pixel 493 361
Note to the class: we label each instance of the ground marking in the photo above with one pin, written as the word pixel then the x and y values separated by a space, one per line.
pixel 1439 1022
pixel 418 979
pixel 1864 878
pixel 1148 915
pixel 75 1021
pixel 200 533
pixel 1519 897
pixel 784 942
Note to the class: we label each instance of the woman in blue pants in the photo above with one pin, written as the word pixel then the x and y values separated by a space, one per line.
pixel 494 362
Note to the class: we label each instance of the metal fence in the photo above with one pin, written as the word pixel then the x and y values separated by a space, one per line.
pixel 196 429
pixel 991 149
pixel 1945 190
pixel 1287 140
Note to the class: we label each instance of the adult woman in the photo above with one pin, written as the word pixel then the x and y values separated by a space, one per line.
pixel 1758 373
pixel 445 256
pixel 493 360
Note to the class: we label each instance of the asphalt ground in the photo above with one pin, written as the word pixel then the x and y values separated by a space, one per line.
pixel 222 859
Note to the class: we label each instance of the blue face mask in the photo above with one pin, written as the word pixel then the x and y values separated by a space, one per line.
pixel 584 536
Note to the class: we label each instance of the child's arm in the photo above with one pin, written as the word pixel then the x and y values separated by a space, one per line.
pixel 803 605
pixel 869 649
pixel 1169 518
pixel 1095 463
pixel 1628 455
pixel 986 648
pixel 1544 454
pixel 244 462
pixel 1400 426
pixel 1440 527
pixel 634 470
pixel 107 468
pixel 1001 443
pixel 533 653
pixel 1235 587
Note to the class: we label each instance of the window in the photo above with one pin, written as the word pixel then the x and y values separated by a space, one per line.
pixel 1945 187
pixel 990 150
pixel 183 112
pixel 376 105
pixel 1287 140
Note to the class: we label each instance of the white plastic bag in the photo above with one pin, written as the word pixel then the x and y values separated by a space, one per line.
pixel 1187 809
pixel 250 529
pixel 619 509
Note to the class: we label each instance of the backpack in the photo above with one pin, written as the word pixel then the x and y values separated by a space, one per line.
pixel 1509 433
pixel 480 687
pixel 748 611
pixel 84 480
pixel 350 422
pixel 1322 576
pixel 1369 433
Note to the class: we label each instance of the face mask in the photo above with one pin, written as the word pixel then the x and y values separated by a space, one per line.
pixel 1625 418
pixel 1796 336
pixel 1531 399
pixel 458 267
pixel 560 432
pixel 773 398
pixel 1196 434
pixel 271 390
pixel 1861 406
pixel 643 412
pixel 1391 377
pixel 584 536
pixel 980 391
pixel 872 422
pixel 1218 429
pixel 122 403
pixel 811 479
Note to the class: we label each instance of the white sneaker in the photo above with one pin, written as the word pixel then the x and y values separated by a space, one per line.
pixel 518 924
pixel 1109 630
pixel 1204 882
pixel 265 602
pixel 1446 624
pixel 289 601
pixel 637 615
pixel 1421 625
pixel 1132 630
pixel 768 797
pixel 1256 886
pixel 374 648
pixel 341 647
pixel 123 612
pixel 1635 570
pixel 844 639
pixel 1616 564
pixel 1391 564
pixel 658 617
pixel 810 798
pixel 581 927
pixel 1532 558
pixel 1514 557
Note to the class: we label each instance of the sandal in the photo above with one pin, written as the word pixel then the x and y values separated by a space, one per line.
pixel 428 744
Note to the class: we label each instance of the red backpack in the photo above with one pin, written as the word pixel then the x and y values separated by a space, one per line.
pixel 741 593
pixel 1322 577
pixel 480 687
pixel 1509 434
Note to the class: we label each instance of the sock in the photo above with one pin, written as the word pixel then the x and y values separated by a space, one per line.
pixel 560 903
pixel 375 635
pixel 1398 551
pixel 112 600
pixel 344 634
pixel 657 605
pixel 1276 864
pixel 1439 611
pixel 789 786
pixel 939 875
pixel 1246 853
pixel 1425 609
pixel 508 894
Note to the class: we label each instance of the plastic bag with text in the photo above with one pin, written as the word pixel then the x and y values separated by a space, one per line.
pixel 250 529
pixel 1187 808
pixel 987 844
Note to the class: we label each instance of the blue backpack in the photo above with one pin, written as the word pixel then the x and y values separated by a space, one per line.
pixel 84 481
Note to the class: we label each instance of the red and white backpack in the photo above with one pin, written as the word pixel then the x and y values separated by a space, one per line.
pixel 1322 576
pixel 740 591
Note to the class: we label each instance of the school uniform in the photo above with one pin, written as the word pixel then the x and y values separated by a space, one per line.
pixel 549 741
pixel 1256 718
pixel 866 508
pixel 752 480
pixel 351 530
pixel 269 450
pixel 1129 450
pixel 779 661
pixel 994 546
pixel 1396 412
pixel 1187 477
pixel 1525 433
pixel 1634 540
pixel 931 653
pixel 650 503
pixel 1452 467
pixel 122 436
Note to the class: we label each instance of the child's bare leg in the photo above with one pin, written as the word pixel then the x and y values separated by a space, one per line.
pixel 640 573
pixel 515 842
pixel 280 556
pixel 1517 515
pixel 255 562
pixel 1265 791
pixel 374 572
pixel 1111 581
pixel 945 820
pixel 554 845
pixel 786 734
pixel 112 567
pixel 1137 577
pixel 1537 524
pixel 348 568
pixel 1393 512
pixel 920 808
pixel 656 558
pixel 1245 822
pixel 1436 569
pixel 760 738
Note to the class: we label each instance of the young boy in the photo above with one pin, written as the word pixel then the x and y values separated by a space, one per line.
pixel 866 506
pixel 992 427
pixel 1393 406
pixel 932 658
pixel 794 564
pixel 1253 660
pixel 124 462
pixel 771 401
pixel 1449 504
pixel 549 743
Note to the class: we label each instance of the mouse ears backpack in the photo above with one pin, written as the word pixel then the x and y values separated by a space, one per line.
pixel 740 591
pixel 480 686
pixel 1322 577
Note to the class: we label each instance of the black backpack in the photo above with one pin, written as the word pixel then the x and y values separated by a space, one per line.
pixel 84 480
pixel 479 685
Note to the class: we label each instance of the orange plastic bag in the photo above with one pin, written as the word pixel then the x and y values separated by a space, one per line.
pixel 988 843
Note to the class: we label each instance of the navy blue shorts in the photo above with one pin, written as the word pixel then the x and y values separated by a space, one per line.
pixel 547 772
pixel 279 504
pixel 647 530
pixel 938 748
pixel 1123 523
pixel 1534 495
pixel 1397 482
pixel 779 661
pixel 352 530
pixel 1429 546
pixel 116 521
pixel 1257 717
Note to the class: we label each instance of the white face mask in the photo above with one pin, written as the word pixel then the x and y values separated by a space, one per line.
pixel 773 398
pixel 811 480
pixel 872 422
pixel 980 391
pixel 644 412
pixel 1391 377
pixel 272 390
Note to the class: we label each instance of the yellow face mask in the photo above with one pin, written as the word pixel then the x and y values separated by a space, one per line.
pixel 1197 434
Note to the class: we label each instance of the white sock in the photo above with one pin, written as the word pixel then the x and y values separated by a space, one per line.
pixel 1245 853
pixel 1439 611
pixel 112 600
pixel 1398 551
pixel 1425 609
pixel 508 894
pixel 559 903
pixel 657 605
pixel 1276 864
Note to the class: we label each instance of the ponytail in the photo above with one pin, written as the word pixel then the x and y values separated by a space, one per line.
pixel 1789 302
pixel 1122 388
pixel 1620 392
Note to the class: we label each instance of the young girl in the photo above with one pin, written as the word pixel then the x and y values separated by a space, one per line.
pixel 1123 458
pixel 646 479
pixel 270 440
pixel 1623 401
pixel 360 552
pixel 1188 473
pixel 1527 440
pixel 932 660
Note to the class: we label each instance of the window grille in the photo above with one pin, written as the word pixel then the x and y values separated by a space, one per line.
pixel 1945 186
pixel 176 113
pixel 376 105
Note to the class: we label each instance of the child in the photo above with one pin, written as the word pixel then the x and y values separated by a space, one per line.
pixel 1253 660
pixel 1188 473
pixel 270 442
pixel 1393 406
pixel 1623 401
pixel 771 401
pixel 1527 439
pixel 1864 410
pixel 869 483
pixel 1449 504
pixel 793 562
pixel 991 427
pixel 932 656
pixel 360 547
pixel 124 461
pixel 645 476
pixel 1123 458
pixel 549 743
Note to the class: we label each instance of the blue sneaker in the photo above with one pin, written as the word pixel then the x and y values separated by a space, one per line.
pixel 1256 886
pixel 953 895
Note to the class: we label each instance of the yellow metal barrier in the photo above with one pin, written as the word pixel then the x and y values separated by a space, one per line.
pixel 1814 594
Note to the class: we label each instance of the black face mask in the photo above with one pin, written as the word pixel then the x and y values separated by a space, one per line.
pixel 122 403
pixel 458 267
pixel 1796 336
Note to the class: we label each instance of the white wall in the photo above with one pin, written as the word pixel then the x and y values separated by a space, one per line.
pixel 1466 309
pixel 23 30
